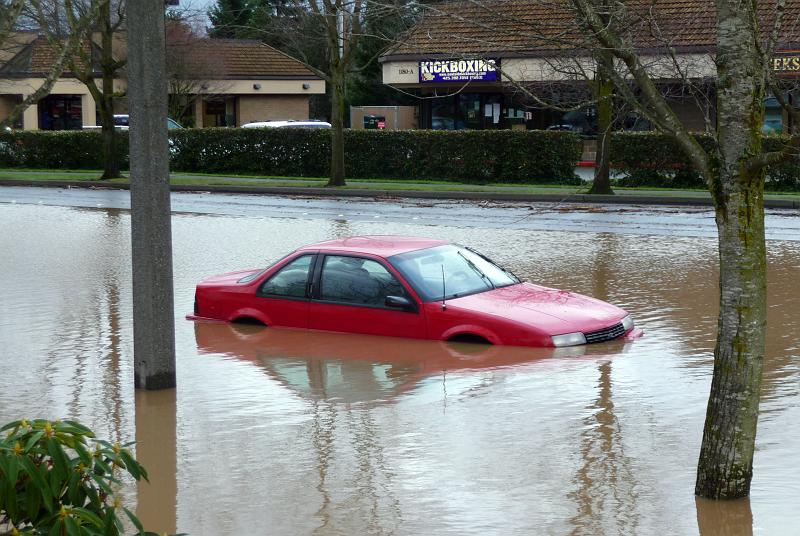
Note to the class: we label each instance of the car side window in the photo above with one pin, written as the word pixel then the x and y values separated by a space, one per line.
pixel 357 280
pixel 290 281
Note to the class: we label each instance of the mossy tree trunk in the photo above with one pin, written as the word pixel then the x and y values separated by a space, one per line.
pixel 605 120
pixel 337 176
pixel 725 468
pixel 735 173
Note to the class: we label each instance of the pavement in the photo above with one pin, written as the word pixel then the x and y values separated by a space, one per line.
pixel 386 189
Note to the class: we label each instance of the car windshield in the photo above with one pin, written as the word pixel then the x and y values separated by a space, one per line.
pixel 450 271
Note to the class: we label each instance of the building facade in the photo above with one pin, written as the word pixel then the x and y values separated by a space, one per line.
pixel 527 64
pixel 213 83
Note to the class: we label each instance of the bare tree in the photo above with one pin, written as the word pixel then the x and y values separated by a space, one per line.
pixel 105 17
pixel 193 69
pixel 11 12
pixel 734 170
pixel 640 49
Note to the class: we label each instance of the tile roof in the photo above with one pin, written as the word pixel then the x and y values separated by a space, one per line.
pixel 217 59
pixel 548 26
pixel 236 59
pixel 34 59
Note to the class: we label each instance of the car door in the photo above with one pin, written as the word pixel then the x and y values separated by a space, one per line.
pixel 283 297
pixel 350 294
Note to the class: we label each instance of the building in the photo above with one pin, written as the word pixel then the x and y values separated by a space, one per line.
pixel 213 82
pixel 526 64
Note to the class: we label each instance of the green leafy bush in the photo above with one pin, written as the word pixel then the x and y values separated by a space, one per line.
pixel 69 149
pixel 648 159
pixel 463 156
pixel 55 478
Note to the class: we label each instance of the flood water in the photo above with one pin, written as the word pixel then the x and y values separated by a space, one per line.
pixel 289 432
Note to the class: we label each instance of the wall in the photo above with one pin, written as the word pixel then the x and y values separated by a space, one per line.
pixel 265 108
pixel 397 117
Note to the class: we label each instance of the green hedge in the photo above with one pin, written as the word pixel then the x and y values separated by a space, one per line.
pixel 465 156
pixel 67 149
pixel 649 159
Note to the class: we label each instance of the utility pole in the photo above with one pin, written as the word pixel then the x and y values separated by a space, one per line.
pixel 151 233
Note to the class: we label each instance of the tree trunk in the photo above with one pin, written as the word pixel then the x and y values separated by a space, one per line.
pixel 109 133
pixel 605 119
pixel 337 124
pixel 725 467
pixel 106 102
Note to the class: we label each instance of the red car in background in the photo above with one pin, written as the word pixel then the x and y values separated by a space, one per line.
pixel 407 287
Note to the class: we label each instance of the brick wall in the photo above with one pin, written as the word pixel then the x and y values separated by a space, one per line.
pixel 271 107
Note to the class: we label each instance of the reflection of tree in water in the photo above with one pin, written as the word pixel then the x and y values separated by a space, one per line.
pixel 370 474
pixel 724 518
pixel 605 495
pixel 92 334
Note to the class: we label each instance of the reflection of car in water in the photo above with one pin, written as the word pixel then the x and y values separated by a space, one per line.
pixel 353 368
pixel 407 287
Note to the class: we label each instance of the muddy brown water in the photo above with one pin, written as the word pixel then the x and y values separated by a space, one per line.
pixel 287 432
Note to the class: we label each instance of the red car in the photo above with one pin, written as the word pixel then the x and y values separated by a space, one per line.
pixel 407 287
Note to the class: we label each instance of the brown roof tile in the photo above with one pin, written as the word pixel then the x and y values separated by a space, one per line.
pixel 547 26
pixel 235 58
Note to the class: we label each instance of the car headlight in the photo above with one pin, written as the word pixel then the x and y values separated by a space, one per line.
pixel 568 339
pixel 627 322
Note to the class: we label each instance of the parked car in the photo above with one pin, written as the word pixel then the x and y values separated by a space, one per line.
pixel 288 124
pixel 407 287
pixel 122 122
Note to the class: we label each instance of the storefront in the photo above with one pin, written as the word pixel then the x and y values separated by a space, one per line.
pixel 60 112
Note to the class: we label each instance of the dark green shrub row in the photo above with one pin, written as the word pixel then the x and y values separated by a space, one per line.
pixel 69 149
pixel 648 159
pixel 466 156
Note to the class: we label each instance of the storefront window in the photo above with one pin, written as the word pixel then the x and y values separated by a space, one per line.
pixel 60 112
pixel 219 112
pixel 466 111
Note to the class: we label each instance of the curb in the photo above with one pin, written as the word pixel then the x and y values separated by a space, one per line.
pixel 414 194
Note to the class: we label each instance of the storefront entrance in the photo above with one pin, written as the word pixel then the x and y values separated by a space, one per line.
pixel 219 112
pixel 477 111
pixel 60 112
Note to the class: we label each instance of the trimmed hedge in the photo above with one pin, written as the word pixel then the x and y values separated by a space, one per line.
pixel 649 159
pixel 463 156
pixel 66 149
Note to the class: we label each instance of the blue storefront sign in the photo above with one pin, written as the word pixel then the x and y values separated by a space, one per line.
pixel 458 70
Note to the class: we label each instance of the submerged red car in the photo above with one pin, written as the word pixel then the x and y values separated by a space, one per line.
pixel 407 287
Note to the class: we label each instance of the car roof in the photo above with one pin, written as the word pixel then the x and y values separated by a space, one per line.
pixel 380 245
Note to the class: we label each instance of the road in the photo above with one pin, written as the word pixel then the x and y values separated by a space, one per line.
pixel 781 224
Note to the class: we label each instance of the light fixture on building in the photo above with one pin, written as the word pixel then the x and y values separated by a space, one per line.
pixel 256 86
pixel 306 86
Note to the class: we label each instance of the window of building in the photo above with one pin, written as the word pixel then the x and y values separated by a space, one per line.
pixel 219 112
pixel 60 112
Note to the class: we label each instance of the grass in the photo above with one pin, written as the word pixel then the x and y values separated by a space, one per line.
pixel 207 179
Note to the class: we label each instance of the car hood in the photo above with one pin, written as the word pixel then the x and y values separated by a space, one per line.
pixel 550 310
pixel 229 278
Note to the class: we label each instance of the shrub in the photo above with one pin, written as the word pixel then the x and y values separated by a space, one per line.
pixel 53 481
pixel 649 159
pixel 464 156
pixel 69 149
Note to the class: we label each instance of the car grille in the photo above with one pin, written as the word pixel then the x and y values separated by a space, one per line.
pixel 605 334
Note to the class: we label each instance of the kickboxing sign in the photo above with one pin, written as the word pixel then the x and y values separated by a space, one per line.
pixel 458 71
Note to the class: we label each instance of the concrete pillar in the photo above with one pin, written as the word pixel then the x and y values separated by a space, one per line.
pixel 30 117
pixel 88 111
pixel 151 232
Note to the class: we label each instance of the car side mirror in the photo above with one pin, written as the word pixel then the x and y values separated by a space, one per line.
pixel 399 302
